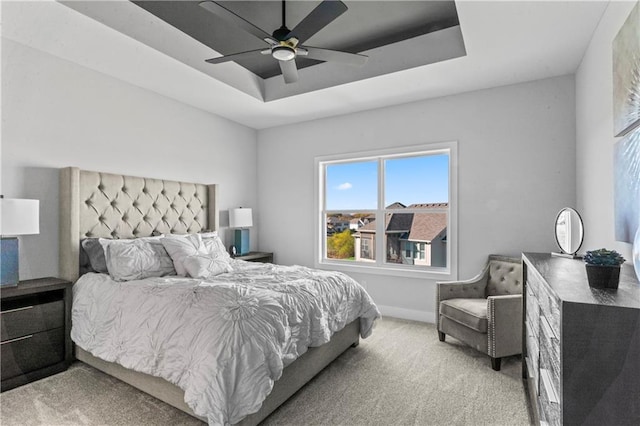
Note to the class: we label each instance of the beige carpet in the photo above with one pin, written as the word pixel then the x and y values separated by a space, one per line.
pixel 402 375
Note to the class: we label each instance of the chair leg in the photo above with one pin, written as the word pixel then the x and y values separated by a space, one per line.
pixel 441 336
pixel 495 363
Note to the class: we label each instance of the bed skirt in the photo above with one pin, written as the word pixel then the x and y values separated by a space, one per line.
pixel 294 376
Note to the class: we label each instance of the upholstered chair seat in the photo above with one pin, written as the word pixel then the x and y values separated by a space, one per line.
pixel 485 312
pixel 470 313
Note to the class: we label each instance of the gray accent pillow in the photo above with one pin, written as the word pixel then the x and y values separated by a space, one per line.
pixel 94 251
pixel 137 259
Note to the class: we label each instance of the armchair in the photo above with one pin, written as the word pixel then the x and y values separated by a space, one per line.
pixel 484 312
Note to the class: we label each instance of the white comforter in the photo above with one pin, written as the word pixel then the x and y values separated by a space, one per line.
pixel 223 341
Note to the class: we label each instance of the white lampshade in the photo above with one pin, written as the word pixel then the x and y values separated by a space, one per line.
pixel 240 218
pixel 19 217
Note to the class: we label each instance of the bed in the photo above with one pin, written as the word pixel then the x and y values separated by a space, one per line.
pixel 108 206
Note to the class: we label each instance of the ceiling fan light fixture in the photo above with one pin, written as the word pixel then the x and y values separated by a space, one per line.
pixel 283 53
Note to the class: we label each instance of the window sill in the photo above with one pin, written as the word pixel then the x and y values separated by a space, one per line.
pixel 428 274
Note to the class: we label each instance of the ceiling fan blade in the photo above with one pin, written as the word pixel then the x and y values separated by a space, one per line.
pixel 235 56
pixel 232 18
pixel 319 18
pixel 289 71
pixel 333 55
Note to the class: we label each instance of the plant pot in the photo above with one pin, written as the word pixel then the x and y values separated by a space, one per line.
pixel 600 276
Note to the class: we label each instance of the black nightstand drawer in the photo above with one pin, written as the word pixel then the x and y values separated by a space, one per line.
pixel 35 325
pixel 32 352
pixel 29 317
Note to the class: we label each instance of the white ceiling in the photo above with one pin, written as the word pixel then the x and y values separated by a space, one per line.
pixel 507 42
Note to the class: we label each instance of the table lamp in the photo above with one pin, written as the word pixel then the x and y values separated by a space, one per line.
pixel 17 217
pixel 241 219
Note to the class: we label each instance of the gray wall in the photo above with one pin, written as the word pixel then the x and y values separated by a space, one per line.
pixel 516 151
pixel 58 114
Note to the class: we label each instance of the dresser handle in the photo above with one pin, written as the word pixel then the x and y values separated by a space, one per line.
pixel 17 339
pixel 16 310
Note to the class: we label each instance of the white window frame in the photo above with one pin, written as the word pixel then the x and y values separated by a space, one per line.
pixel 379 267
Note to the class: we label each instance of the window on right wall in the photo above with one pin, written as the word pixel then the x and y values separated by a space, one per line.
pixel 391 210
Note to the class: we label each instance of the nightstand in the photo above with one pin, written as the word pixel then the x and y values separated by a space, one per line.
pixel 257 256
pixel 35 324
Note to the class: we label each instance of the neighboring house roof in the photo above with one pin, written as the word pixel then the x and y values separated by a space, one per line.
pixel 419 226
pixel 429 206
pixel 399 222
pixel 396 205
pixel 369 227
pixel 426 227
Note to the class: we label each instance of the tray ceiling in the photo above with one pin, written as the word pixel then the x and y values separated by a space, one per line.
pixel 506 42
pixel 364 26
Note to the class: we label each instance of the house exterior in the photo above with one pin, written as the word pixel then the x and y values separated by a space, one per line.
pixel 337 224
pixel 412 238
pixel 359 222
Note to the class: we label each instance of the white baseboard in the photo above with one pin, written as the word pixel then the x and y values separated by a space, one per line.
pixel 408 314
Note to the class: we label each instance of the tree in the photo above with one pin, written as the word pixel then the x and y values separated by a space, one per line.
pixel 341 245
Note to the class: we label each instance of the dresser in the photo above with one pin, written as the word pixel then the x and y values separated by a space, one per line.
pixel 581 346
pixel 35 324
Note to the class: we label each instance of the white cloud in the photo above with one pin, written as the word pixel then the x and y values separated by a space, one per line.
pixel 344 186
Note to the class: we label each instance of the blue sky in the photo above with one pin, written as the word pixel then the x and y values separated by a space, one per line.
pixel 424 179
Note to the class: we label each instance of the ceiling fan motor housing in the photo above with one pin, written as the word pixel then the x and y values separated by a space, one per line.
pixel 281 33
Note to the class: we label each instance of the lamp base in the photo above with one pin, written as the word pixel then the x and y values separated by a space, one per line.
pixel 241 241
pixel 9 262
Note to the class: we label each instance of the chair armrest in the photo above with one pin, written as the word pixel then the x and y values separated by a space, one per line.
pixel 473 288
pixel 504 315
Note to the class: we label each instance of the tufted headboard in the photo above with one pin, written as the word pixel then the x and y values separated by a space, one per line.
pixel 104 205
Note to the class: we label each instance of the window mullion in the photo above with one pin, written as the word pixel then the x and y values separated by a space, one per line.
pixel 380 216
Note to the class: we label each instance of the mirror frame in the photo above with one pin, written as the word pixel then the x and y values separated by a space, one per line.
pixel 555 233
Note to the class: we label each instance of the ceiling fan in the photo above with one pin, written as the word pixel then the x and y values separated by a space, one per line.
pixel 284 44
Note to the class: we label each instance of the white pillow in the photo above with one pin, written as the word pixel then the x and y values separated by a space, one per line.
pixel 137 259
pixel 181 246
pixel 214 245
pixel 206 265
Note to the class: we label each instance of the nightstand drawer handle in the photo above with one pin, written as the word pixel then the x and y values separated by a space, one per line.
pixel 17 339
pixel 16 310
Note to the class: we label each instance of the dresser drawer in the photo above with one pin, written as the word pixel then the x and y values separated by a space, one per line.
pixel 533 283
pixel 549 403
pixel 29 317
pixel 533 311
pixel 550 358
pixel 31 352
pixel 549 308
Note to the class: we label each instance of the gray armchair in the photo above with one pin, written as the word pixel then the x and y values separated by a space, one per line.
pixel 484 312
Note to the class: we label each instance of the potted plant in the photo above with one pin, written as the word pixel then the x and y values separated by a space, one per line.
pixel 603 268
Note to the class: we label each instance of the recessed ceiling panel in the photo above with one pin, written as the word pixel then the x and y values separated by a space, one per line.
pixel 364 26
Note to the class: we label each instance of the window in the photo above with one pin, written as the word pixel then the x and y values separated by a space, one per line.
pixel 390 210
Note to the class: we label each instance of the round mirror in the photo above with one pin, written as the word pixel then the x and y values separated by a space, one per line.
pixel 569 231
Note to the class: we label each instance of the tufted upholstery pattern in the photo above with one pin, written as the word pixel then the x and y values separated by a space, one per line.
pixel 116 206
pixel 505 277
pixel 94 204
